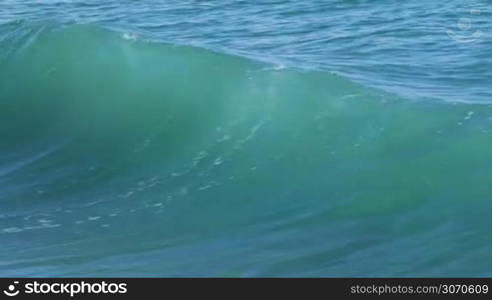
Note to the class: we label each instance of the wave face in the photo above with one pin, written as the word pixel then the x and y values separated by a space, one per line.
pixel 125 157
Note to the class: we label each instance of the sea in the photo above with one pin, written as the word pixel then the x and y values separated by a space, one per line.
pixel 268 138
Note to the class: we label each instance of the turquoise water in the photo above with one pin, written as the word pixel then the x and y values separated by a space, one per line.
pixel 197 138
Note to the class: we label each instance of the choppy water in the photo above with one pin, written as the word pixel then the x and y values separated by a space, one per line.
pixel 280 138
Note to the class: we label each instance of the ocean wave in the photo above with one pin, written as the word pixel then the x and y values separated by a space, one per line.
pixel 114 147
